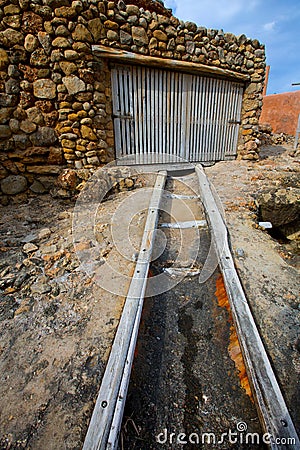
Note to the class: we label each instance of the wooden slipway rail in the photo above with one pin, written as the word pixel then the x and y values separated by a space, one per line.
pixel 104 428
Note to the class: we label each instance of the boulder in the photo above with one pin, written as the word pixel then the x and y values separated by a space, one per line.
pixel 139 36
pixel 44 136
pixel 73 84
pixel 13 184
pixel 5 132
pixel 279 206
pixel 68 179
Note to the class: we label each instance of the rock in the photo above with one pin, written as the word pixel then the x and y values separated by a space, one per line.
pixel 87 133
pixel 61 42
pixel 191 26
pixel 40 288
pixel 44 136
pixel 39 58
pixel 190 47
pixel 35 115
pixel 139 36
pixel 32 23
pixel 133 10
pixel 12 37
pixel 94 160
pixel 65 12
pixel 111 25
pixel 37 187
pixel 29 247
pixel 279 206
pixel 32 237
pixel 44 170
pixel 74 84
pixel 62 30
pixel 7 100
pixel 5 114
pixel 4 61
pixel 44 233
pixel 112 35
pixel 133 20
pixel 11 10
pixel 81 33
pixel 97 29
pixel 71 55
pixel 251 146
pixel 68 67
pixel 27 126
pixel 5 131
pixel 12 87
pixel 250 105
pixel 68 179
pixel 55 156
pixel 13 184
pixel 160 35
pixel 21 141
pixel 45 41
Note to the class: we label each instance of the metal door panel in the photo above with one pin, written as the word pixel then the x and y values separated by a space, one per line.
pixel 160 115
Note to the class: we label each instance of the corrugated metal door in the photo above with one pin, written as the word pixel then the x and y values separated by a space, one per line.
pixel 160 115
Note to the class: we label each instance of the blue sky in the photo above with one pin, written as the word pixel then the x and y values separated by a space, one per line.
pixel 275 23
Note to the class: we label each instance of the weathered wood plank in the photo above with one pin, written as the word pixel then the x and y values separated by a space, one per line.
pixel 297 134
pixel 271 406
pixel 108 408
pixel 151 61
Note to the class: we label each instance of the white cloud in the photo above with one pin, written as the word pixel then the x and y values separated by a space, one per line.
pixel 217 13
pixel 270 26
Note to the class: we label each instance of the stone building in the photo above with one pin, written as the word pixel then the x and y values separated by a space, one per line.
pixel 59 60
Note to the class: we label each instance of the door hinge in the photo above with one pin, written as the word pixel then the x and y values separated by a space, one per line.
pixel 122 116
pixel 236 122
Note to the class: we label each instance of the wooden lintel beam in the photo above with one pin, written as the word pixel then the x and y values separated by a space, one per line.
pixel 151 61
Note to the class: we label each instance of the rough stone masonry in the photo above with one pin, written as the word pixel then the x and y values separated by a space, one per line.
pixel 55 96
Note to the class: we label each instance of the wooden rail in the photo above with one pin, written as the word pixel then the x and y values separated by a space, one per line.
pixel 107 416
pixel 270 403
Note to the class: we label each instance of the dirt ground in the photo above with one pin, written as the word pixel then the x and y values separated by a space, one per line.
pixel 57 322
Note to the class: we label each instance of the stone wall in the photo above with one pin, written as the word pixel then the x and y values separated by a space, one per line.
pixel 55 96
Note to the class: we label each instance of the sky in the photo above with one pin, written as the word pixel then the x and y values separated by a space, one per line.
pixel 275 23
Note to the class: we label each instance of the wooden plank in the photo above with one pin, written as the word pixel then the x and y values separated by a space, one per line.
pixel 151 61
pixel 197 123
pixel 184 225
pixel 226 118
pixel 211 112
pixel 135 93
pixel 156 117
pixel 128 110
pixel 115 380
pixel 122 110
pixel 271 406
pixel 169 125
pixel 164 94
pixel 223 124
pixel 297 134
pixel 217 117
pixel 116 112
pixel 145 119
pixel 205 102
pixel 200 133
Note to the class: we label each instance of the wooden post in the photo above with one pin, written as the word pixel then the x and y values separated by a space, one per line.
pixel 297 134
